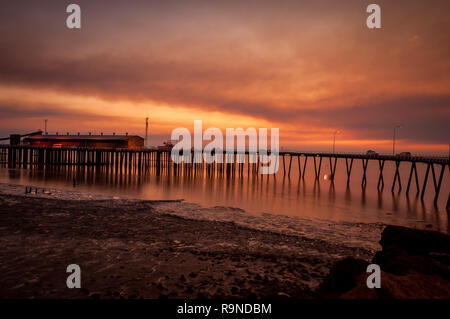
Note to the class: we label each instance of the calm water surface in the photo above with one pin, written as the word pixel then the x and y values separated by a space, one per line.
pixel 257 194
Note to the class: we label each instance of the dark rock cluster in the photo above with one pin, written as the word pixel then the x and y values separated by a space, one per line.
pixel 414 264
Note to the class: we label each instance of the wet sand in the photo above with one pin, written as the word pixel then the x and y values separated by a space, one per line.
pixel 129 249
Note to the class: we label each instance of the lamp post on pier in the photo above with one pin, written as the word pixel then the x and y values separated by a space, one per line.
pixel 393 139
pixel 334 139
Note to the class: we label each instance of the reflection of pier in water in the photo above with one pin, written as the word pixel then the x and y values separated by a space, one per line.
pixel 139 162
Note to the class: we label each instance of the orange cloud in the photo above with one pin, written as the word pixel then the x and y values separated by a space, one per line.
pixel 305 67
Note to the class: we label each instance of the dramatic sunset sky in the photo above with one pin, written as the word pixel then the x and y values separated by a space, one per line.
pixel 307 67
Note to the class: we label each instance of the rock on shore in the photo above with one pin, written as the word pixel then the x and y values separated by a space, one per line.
pixel 414 264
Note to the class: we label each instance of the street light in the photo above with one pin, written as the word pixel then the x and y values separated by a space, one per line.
pixel 334 139
pixel 393 139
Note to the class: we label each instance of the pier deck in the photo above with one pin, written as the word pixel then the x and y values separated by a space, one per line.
pixel 138 161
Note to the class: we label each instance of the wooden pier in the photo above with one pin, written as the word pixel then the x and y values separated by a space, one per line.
pixel 126 161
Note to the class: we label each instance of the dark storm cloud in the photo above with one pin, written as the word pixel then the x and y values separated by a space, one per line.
pixel 21 110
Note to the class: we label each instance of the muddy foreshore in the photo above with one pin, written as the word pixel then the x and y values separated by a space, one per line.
pixel 128 249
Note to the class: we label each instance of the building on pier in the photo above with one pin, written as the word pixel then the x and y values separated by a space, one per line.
pixel 90 141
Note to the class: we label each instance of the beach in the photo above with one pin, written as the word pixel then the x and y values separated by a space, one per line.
pixel 129 248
